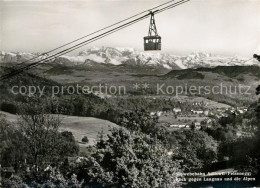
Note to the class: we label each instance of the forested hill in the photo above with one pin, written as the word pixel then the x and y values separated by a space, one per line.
pixel 229 71
pixel 69 104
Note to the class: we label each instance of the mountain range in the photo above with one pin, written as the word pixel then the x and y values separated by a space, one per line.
pixel 130 56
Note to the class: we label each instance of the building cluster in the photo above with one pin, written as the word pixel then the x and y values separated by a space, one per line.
pixel 195 116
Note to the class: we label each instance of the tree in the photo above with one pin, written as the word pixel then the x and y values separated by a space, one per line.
pixel 244 153
pixel 85 139
pixel 196 149
pixel 4 136
pixel 40 131
pixel 258 90
pixel 230 119
pixel 192 126
pixel 68 144
pixel 142 121
pixel 9 107
pixel 257 152
pixel 258 108
pixel 12 150
pixel 222 134
pixel 37 142
pixel 130 160
pixel 139 120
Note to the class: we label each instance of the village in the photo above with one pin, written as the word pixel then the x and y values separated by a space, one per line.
pixel 200 114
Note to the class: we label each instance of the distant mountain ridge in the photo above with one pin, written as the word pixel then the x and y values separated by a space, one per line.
pixel 18 57
pixel 228 71
pixel 130 56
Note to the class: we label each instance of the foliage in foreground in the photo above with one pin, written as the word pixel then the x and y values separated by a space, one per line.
pixel 130 160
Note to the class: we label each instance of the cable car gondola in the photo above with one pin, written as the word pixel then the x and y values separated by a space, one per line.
pixel 257 57
pixel 153 40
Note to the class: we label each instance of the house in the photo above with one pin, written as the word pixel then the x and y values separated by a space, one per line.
pixel 182 126
pixel 159 113
pixel 152 113
pixel 73 161
pixel 206 112
pixel 240 111
pixel 174 126
pixel 197 125
pixel 209 121
pixel 197 111
pixel 170 153
pixel 176 110
pixel 178 126
pixel 239 134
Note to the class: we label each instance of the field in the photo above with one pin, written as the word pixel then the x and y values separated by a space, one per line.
pixel 85 126
pixel 79 126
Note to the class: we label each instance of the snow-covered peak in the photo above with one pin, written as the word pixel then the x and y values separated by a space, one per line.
pixel 18 57
pixel 131 56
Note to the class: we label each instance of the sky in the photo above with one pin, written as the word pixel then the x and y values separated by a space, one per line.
pixel 223 27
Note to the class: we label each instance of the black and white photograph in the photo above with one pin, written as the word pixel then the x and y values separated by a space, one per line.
pixel 129 93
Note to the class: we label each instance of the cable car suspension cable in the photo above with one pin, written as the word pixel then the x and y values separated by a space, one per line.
pixel 76 40
pixel 52 57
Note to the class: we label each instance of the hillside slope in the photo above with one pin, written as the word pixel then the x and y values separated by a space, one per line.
pixel 229 71
pixel 79 126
